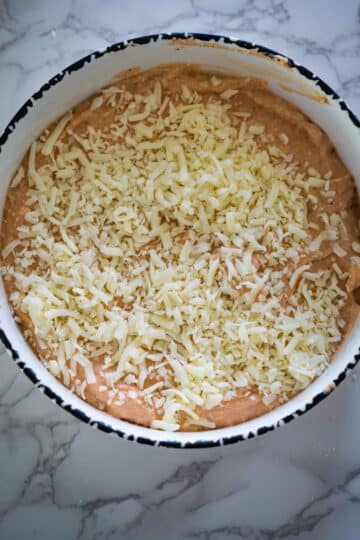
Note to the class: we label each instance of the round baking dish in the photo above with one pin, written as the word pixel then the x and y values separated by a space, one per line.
pixel 286 78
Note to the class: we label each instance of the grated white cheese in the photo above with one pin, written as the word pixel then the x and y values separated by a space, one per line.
pixel 53 137
pixel 296 275
pixel 10 248
pixel 229 93
pixel 338 250
pixel 19 175
pixel 159 255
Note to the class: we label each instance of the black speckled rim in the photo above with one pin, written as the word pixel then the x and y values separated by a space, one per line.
pixel 203 441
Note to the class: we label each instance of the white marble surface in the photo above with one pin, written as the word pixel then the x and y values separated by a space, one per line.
pixel 60 479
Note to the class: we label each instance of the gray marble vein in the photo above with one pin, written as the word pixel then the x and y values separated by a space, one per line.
pixel 62 480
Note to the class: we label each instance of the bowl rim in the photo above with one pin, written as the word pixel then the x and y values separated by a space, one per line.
pixel 209 438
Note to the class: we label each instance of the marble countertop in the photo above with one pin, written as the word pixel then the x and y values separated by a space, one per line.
pixel 60 479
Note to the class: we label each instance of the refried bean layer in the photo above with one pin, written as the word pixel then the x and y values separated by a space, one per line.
pixel 286 128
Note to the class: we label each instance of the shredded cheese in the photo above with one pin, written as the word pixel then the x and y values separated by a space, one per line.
pixel 19 175
pixel 170 254
pixel 53 137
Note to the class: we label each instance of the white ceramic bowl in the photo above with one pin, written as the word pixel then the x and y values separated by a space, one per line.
pixel 296 83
